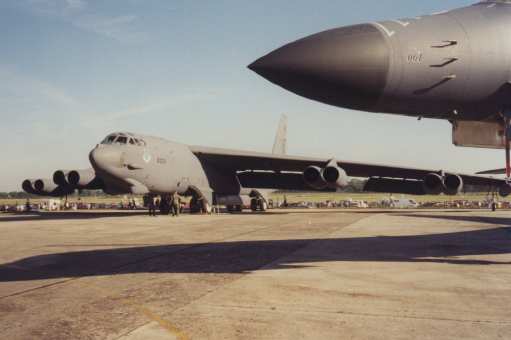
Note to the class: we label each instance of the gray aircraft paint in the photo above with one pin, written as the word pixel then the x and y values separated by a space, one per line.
pixel 161 167
pixel 451 65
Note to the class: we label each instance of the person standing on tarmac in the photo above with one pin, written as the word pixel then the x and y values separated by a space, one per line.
pixel 156 206
pixel 171 205
pixel 152 206
pixel 175 204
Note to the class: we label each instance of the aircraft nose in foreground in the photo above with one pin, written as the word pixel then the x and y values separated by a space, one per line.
pixel 345 67
pixel 105 158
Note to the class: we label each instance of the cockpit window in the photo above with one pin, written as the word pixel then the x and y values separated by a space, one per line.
pixel 109 139
pixel 121 140
pixel 139 142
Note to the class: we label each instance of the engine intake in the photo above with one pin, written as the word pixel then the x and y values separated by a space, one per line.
pixel 453 185
pixel 60 177
pixel 433 184
pixel 45 186
pixel 28 186
pixel 335 176
pixel 313 176
pixel 84 179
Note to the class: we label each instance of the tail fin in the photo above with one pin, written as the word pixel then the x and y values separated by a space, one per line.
pixel 280 144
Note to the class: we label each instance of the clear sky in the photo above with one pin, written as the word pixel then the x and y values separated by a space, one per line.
pixel 74 70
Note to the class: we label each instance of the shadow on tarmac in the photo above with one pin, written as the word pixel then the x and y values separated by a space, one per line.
pixel 84 215
pixel 67 215
pixel 463 218
pixel 246 256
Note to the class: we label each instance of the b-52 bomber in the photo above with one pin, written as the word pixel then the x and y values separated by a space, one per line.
pixel 129 163
pixel 453 65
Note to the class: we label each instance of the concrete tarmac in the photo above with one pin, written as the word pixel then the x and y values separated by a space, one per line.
pixel 307 274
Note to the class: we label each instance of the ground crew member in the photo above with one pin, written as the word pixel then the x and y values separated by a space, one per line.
pixel 176 204
pixel 172 205
pixel 156 206
pixel 152 207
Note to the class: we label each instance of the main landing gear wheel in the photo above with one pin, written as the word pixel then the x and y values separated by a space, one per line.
pixel 257 204
pixel 198 206
pixel 207 208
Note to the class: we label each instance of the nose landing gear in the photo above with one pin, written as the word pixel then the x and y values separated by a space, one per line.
pixel 199 205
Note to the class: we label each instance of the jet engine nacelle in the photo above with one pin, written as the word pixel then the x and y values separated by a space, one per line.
pixel 433 184
pixel 81 178
pixel 45 186
pixel 60 177
pixel 335 176
pixel 453 184
pixel 313 176
pixel 28 186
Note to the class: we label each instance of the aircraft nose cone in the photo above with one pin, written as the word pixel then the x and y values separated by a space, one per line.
pixel 104 158
pixel 345 67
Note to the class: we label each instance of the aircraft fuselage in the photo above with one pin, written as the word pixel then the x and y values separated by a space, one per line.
pixel 451 65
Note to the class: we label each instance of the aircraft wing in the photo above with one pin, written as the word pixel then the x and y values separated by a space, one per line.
pixel 241 161
pixel 493 172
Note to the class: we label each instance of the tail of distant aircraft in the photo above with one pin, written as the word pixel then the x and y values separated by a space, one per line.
pixel 493 172
pixel 280 144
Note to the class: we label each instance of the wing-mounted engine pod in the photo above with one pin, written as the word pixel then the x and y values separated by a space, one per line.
pixel 335 176
pixel 28 186
pixel 60 177
pixel 45 186
pixel 505 190
pixel 453 184
pixel 313 176
pixel 433 184
pixel 81 178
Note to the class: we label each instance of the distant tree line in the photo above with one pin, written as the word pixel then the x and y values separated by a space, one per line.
pixel 355 186
pixel 24 195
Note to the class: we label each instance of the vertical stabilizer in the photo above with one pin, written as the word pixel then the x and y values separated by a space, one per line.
pixel 280 144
